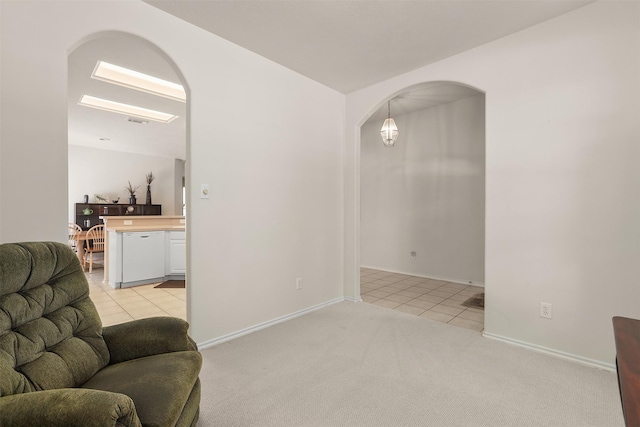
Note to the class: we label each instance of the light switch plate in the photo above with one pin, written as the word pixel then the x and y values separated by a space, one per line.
pixel 204 191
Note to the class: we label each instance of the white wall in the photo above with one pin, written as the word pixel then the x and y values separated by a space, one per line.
pixel 563 175
pixel 93 171
pixel 426 194
pixel 267 140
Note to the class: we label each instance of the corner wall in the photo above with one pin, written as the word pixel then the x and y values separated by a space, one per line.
pixel 267 140
pixel 563 212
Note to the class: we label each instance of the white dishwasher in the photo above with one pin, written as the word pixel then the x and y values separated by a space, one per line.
pixel 142 255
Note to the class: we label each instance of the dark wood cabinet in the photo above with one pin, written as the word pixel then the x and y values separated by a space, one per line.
pixel 626 333
pixel 88 214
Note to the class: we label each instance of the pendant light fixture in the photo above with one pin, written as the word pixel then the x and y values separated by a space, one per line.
pixel 389 131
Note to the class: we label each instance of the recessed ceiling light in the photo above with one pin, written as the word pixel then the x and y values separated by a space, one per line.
pixel 129 110
pixel 134 80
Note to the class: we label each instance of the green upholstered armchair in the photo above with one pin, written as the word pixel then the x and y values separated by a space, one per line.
pixel 60 367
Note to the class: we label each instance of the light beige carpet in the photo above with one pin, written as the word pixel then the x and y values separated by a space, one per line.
pixel 356 364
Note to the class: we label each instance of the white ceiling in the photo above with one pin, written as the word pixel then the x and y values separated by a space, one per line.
pixel 343 44
pixel 419 97
pixel 351 44
pixel 88 125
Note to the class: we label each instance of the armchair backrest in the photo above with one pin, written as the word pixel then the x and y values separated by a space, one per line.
pixel 50 331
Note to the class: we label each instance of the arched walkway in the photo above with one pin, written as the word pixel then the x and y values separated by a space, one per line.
pixel 422 203
pixel 108 150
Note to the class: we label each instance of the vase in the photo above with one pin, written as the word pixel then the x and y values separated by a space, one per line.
pixel 148 194
pixel 132 200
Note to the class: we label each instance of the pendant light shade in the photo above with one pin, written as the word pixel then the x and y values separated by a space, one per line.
pixel 389 131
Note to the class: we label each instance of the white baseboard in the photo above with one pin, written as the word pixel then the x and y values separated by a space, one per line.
pixel 246 331
pixel 557 353
pixel 446 279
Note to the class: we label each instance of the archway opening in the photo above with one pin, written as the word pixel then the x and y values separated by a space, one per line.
pixel 109 151
pixel 422 204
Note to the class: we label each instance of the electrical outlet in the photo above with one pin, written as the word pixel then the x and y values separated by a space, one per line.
pixel 545 310
pixel 413 255
pixel 128 222
pixel 299 283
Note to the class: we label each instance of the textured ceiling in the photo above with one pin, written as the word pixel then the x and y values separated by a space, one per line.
pixel 351 44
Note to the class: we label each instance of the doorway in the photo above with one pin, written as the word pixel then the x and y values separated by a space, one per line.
pixel 422 204
pixel 110 151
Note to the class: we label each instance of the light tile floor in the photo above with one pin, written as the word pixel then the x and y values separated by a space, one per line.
pixel 433 299
pixel 138 302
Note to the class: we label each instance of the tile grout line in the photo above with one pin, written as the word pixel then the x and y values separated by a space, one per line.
pixel 416 280
pixel 143 292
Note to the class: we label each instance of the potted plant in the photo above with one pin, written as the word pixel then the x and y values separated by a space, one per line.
pixel 132 193
pixel 150 179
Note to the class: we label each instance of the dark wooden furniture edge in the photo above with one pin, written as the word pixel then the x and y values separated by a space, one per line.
pixel 110 209
pixel 627 336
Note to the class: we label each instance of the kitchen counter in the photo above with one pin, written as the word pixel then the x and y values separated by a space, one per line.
pixel 137 223
pixel 143 221
pixel 123 228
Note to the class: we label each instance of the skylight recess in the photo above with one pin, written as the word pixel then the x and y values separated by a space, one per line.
pixel 126 109
pixel 135 80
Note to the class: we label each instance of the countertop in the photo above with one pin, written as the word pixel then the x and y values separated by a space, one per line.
pixel 126 228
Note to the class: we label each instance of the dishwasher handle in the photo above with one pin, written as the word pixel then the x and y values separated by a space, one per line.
pixel 140 236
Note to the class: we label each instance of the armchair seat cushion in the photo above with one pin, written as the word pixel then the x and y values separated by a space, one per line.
pixel 159 385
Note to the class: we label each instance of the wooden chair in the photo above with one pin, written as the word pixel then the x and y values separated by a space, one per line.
pixel 74 231
pixel 95 244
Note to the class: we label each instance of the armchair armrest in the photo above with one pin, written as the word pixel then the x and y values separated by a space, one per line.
pixel 68 407
pixel 147 337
